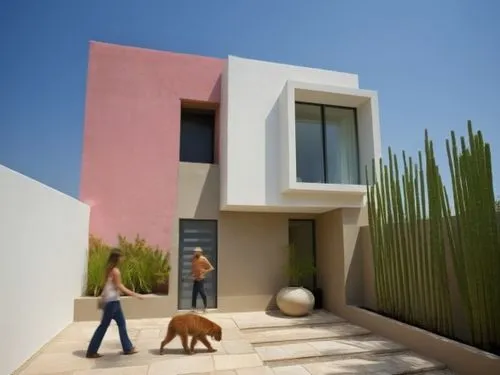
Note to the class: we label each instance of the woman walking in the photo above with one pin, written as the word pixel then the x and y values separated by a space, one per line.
pixel 112 310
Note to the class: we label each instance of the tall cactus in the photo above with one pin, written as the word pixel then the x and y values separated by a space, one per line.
pixel 474 236
pixel 412 221
pixel 405 214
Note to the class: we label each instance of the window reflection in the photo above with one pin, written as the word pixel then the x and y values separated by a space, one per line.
pixel 326 144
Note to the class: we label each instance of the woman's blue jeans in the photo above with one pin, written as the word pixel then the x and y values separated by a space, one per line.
pixel 198 288
pixel 112 311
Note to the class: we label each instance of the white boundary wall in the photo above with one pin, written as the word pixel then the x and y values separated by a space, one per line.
pixel 43 249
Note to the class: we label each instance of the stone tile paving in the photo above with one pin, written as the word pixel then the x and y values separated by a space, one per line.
pixel 249 347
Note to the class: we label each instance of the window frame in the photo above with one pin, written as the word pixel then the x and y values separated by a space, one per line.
pixel 212 112
pixel 323 137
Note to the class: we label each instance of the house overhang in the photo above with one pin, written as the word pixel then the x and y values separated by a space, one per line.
pixel 366 104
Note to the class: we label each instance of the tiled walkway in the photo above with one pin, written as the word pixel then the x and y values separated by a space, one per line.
pixel 254 343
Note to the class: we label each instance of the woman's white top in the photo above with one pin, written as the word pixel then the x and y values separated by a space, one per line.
pixel 110 292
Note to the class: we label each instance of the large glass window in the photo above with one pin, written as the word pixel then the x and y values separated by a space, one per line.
pixel 326 144
pixel 309 143
pixel 197 136
pixel 341 146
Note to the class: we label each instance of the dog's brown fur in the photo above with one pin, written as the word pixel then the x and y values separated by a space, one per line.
pixel 193 325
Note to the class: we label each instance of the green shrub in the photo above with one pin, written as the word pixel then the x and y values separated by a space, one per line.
pixel 143 268
pixel 413 219
pixel 98 256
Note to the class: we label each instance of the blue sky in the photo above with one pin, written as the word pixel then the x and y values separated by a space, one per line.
pixel 435 64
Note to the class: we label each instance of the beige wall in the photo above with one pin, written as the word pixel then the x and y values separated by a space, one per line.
pixel 251 246
pixel 329 258
pixel 352 222
pixel 251 259
pixel 368 280
pixel 339 255
pixel 197 198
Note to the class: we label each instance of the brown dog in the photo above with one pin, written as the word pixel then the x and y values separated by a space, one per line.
pixel 193 325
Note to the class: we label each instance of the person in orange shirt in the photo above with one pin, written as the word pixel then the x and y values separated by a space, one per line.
pixel 200 266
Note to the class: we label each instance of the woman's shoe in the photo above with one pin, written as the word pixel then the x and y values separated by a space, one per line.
pixel 93 355
pixel 131 351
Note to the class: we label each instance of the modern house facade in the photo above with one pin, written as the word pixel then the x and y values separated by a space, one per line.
pixel 240 157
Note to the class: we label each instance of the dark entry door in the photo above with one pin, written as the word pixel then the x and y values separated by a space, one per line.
pixel 194 233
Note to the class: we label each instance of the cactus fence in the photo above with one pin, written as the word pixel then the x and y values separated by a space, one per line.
pixel 412 223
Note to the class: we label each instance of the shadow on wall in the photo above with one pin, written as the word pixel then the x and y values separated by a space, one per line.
pixel 273 160
pixel 355 278
pixel 209 198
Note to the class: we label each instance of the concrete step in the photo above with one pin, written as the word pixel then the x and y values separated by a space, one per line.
pixel 322 344
pixel 301 325
pixel 388 364
pixel 303 333
pixel 329 349
pixel 274 319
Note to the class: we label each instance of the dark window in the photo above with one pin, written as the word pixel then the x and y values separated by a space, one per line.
pixel 197 135
pixel 326 144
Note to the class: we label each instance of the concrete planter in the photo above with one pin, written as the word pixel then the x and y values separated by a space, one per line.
pixel 153 306
pixel 295 301
pixel 161 288
pixel 460 358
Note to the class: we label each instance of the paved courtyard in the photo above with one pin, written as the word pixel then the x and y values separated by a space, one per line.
pixel 255 343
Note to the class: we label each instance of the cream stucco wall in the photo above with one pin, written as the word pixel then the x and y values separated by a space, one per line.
pixel 44 241
pixel 252 257
pixel 339 252
pixel 197 198
pixel 251 246
pixel 253 158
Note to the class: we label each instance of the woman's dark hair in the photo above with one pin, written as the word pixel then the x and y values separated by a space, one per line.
pixel 113 259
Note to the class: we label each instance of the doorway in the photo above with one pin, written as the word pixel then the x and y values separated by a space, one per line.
pixel 194 233
pixel 302 234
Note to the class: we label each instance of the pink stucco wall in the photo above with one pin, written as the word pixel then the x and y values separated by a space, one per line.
pixel 131 136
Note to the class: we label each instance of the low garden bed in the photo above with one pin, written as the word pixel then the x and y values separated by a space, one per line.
pixel 152 306
pixel 495 350
pixel 145 269
pixel 461 358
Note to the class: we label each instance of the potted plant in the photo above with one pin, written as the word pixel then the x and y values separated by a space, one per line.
pixel 295 300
